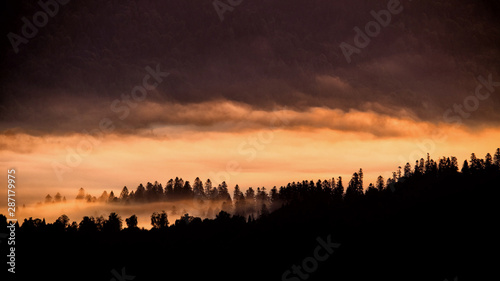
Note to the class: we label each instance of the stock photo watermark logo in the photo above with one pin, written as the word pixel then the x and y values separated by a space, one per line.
pixel 251 146
pixel 310 264
pixel 39 20
pixel 455 115
pixel 221 7
pixel 372 29
pixel 121 107
pixel 121 277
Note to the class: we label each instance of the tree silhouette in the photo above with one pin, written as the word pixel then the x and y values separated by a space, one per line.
pixel 113 224
pixel 223 217
pixel 62 220
pixel 360 176
pixel 262 197
pixel 140 193
pixel 33 225
pixel 239 201
pixel 89 198
pixel 184 220
pixel 131 222
pixel 223 193
pixel 159 220
pixel 81 194
pixel 198 191
pixel 354 189
pixel 187 190
pixel 488 161
pixel 250 200
pixel 169 189
pixel 380 183
pixel 104 197
pixel 274 196
pixel 338 191
pixel 57 198
pixel 475 164
pixel 208 188
pixel 407 170
pixel 124 194
pixel 371 191
pixel 99 222
pixel 112 197
pixel 87 225
pixel 178 185
pixel 61 223
pixel 465 167
pixel 496 158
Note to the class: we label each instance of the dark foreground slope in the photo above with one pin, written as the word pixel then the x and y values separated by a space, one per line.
pixel 427 227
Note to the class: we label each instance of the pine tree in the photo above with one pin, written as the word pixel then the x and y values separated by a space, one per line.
pixel 416 169
pixel 178 185
pixel 57 197
pixel 360 186
pixel 208 189
pixel 112 197
pixel 338 191
pixel 198 189
pixel 465 167
pixel 428 164
pixel 81 194
pixel 354 188
pixel 169 189
pixel 104 196
pixel 488 161
pixel 250 199
pixel 496 158
pixel 124 194
pixel 223 193
pixel 407 170
pixel 140 193
pixel 380 183
pixel 187 190
pixel 473 162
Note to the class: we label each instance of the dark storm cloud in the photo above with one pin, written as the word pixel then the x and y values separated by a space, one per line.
pixel 264 53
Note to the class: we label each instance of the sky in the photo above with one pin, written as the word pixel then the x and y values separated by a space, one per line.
pixel 106 94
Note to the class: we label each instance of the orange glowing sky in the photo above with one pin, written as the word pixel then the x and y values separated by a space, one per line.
pixel 314 144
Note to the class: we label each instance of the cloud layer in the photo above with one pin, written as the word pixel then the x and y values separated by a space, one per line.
pixel 264 54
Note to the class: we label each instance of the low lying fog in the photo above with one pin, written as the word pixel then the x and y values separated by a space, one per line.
pixel 76 210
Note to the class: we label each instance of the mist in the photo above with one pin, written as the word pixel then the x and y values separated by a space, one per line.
pixel 76 210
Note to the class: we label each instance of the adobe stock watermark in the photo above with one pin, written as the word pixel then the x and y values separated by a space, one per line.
pixel 40 19
pixel 372 29
pixel 455 115
pixel 221 7
pixel 121 277
pixel 310 264
pixel 121 107
pixel 251 146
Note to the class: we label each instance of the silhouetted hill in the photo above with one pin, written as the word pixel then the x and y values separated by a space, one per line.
pixel 431 225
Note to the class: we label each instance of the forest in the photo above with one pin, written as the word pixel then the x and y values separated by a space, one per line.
pixel 432 220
